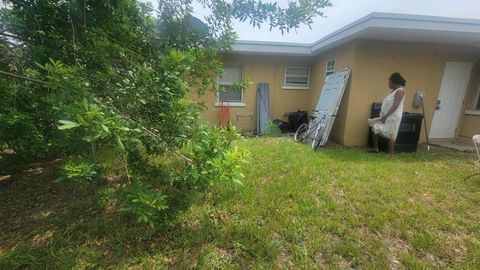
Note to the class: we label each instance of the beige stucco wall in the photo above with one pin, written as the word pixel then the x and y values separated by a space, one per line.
pixel 260 69
pixel 371 62
pixel 421 65
pixel 344 58
pixel 471 126
pixel 471 122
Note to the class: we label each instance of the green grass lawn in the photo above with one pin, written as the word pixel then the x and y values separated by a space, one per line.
pixel 335 208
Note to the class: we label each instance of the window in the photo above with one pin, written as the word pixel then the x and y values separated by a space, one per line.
pixel 296 78
pixel 228 95
pixel 330 68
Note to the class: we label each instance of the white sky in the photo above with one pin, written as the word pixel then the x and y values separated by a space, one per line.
pixel 344 12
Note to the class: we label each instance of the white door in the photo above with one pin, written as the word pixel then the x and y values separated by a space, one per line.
pixel 450 100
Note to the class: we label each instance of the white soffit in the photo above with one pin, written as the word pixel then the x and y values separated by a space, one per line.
pixel 379 26
pixel 263 47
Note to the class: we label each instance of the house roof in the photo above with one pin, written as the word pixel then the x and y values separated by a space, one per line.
pixel 378 26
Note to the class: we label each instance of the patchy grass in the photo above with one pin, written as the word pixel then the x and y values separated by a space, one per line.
pixel 298 209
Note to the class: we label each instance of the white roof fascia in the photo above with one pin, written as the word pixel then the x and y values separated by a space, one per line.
pixel 398 21
pixel 278 48
pixel 351 31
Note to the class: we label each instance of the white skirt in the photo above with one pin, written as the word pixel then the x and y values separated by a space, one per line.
pixel 389 129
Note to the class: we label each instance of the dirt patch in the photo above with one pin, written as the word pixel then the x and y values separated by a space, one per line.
pixel 343 263
pixel 285 257
pixel 40 239
pixel 395 248
pixel 33 206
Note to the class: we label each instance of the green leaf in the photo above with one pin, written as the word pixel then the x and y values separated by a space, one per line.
pixel 80 119
pixel 120 144
pixel 123 128
pixel 85 103
pixel 67 124
pixel 105 128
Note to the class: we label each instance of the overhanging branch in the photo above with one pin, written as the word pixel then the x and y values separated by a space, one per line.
pixel 22 77
pixel 146 131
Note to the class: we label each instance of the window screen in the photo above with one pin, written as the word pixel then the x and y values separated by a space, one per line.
pixel 225 82
pixel 297 76
pixel 330 69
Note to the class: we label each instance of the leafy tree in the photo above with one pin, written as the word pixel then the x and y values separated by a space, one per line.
pixel 81 76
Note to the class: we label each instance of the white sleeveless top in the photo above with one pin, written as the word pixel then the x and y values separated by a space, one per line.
pixel 389 129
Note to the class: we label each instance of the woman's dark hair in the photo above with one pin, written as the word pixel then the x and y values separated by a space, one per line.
pixel 396 78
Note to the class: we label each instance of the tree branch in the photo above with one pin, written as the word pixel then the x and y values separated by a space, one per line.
pixel 147 131
pixel 133 49
pixel 22 77
pixel 12 50
pixel 4 33
pixel 152 135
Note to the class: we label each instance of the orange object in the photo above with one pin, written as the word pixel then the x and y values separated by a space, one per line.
pixel 224 115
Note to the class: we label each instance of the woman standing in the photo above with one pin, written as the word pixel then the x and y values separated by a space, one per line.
pixel 391 113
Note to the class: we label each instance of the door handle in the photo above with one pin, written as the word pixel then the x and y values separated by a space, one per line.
pixel 437 106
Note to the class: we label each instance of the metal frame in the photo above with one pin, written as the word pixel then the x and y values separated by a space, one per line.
pixel 313 128
pixel 239 117
pixel 476 142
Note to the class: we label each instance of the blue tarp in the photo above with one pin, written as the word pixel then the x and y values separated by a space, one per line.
pixel 263 108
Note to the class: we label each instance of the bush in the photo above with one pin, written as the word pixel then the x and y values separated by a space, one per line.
pixel 105 197
pixel 78 171
pixel 145 202
pixel 214 159
pixel 63 100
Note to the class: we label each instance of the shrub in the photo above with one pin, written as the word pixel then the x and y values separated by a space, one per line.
pixel 145 202
pixel 105 196
pixel 74 92
pixel 214 159
pixel 78 171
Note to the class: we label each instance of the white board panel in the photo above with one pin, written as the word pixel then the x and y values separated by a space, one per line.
pixel 329 101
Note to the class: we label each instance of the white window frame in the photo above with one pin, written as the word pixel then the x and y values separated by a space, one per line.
pixel 230 104
pixel 326 67
pixel 292 86
pixel 476 104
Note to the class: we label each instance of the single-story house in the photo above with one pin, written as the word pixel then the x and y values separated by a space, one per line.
pixel 437 55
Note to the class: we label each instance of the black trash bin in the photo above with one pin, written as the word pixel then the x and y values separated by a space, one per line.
pixel 295 119
pixel 408 132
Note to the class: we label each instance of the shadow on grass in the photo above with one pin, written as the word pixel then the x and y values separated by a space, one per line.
pixel 46 225
pixel 360 154
pixel 56 226
pixel 337 151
